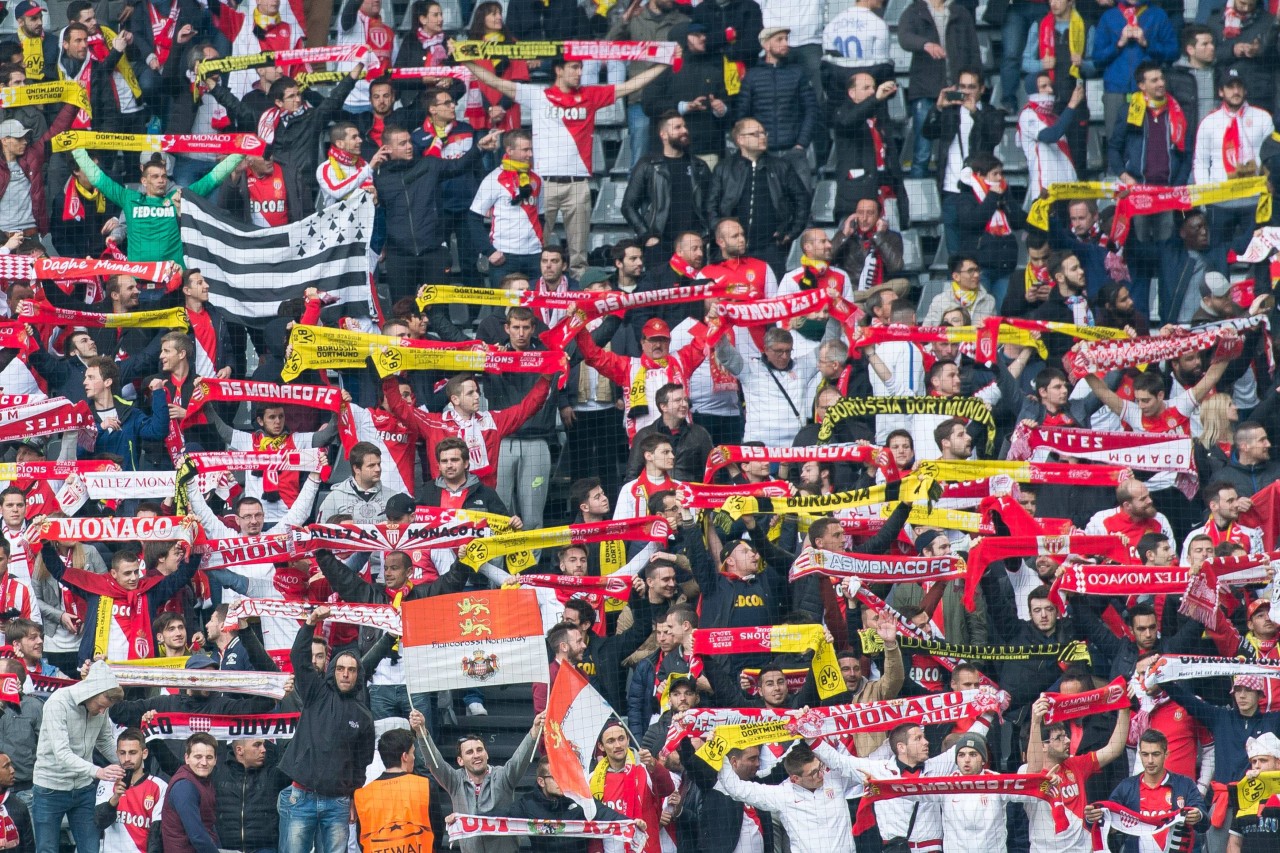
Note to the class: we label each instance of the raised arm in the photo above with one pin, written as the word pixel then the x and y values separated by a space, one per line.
pixel 1116 745
pixel 644 78
pixel 347 584
pixel 493 81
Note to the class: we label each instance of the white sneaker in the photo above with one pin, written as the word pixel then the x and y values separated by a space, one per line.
pixel 477 709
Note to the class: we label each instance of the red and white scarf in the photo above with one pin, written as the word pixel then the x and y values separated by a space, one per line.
pixel 177 726
pixel 1117 817
pixel 875 569
pixel 479 826
pixel 737 454
pixel 384 617
pixel 1071 706
pixel 1118 581
pixel 998 225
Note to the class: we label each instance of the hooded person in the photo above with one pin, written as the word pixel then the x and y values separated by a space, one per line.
pixel 65 778
pixel 331 748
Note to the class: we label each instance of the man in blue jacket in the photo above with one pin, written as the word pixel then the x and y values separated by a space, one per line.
pixel 1155 790
pixel 1128 34
pixel 121 427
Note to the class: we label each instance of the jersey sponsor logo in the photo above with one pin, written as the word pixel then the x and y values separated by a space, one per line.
pixel 749 601
pixel 567 113
pixel 146 212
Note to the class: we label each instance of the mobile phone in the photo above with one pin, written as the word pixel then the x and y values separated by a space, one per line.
pixel 956 97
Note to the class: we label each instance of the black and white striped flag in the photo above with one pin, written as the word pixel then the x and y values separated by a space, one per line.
pixel 251 271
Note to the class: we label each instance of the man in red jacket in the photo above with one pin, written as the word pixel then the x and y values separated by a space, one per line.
pixel 482 431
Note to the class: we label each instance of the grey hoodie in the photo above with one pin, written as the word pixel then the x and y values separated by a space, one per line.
pixel 64 756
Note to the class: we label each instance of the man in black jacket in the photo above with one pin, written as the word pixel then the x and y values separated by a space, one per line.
pixel 698 91
pixel 408 192
pixel 291 128
pixel 778 94
pixel 548 802
pixel 691 443
pixel 720 820
pixel 866 158
pixel 332 746
pixel 247 781
pixel 602 661
pixel 667 193
pixel 762 192
pixel 733 30
pixel 456 483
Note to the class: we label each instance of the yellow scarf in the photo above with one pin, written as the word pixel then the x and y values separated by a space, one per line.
pixel 966 298
pixel 521 170
pixel 639 397
pixel 33 58
pixel 264 22
pixel 123 66
pixel 602 769
pixel 92 194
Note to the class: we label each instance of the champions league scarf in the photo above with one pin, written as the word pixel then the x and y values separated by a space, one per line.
pixel 992 548
pixel 179 143
pixel 477 826
pixel 969 408
pixel 176 726
pixel 645 529
pixel 1144 200
pixel 306 55
pixel 910 489
pixel 384 617
pixel 25 268
pixel 858 454
pixel 876 569
pixel 1102 357
pixel 43 470
pixel 1140 451
pixel 1071 706
pixel 779 639
pixel 393 359
pixel 967 470
pixel 660 52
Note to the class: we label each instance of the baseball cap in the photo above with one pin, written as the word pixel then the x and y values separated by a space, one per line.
pixel 769 32
pixel 27 9
pixel 656 328
pixel 1256 605
pixel 924 540
pixel 400 505
pixel 594 275
pixel 1263 744
pixel 11 128
pixel 1215 284
pixel 201 661
pixel 1229 76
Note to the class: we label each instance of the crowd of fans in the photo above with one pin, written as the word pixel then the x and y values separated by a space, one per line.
pixel 476 174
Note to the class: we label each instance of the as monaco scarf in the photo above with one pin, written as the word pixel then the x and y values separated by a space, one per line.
pixel 1140 451
pixel 661 52
pixel 176 726
pixel 446 294
pixel 612 586
pixel 1071 706
pixel 769 312
pixel 44 314
pixel 382 537
pixel 1117 817
pixel 384 617
pixel 779 639
pixel 857 454
pixel 644 529
pixel 175 143
pixel 702 496
pixel 875 569
pixel 164 528
pixel 1072 652
pixel 269 684
pixel 49 417
pixel 247 550
pixel 992 548
pixel 324 397
pixel 478 826
pixel 1038 785
pixel 26 268
pixel 1101 357
pixel 617 302
pixel 1118 580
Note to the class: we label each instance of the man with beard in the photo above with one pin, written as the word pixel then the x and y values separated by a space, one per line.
pixel 1224 511
pixel 1082 233
pixel 129 809
pixel 654 20
pixel 697 89
pixel 667 192
pixel 548 802
pixel 1134 515
pixel 815 271
pixel 1185 265
pixel 1066 303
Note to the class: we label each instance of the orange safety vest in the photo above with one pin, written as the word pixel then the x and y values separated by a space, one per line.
pixel 395 815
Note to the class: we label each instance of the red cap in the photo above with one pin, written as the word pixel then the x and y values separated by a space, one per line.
pixel 1256 604
pixel 656 328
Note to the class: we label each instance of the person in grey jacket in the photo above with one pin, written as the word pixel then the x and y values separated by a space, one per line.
pixel 475 786
pixel 20 732
pixel 65 778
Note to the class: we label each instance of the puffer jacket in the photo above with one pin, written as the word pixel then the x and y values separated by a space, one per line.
pixel 733 28
pixel 781 98
pixel 246 801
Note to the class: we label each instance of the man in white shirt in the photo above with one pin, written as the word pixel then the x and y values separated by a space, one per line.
pixel 564 122
pixel 973 821
pixel 510 197
pixel 857 37
pixel 1228 143
pixel 773 386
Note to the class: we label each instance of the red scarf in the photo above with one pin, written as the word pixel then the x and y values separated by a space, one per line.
pixel 683 268
pixel 877 144
pixel 1231 140
pixel 130 607
pixel 162 29
pixel 1132 14
pixel 998 226
pixel 438 137
pixel 73 208
pixel 509 180
pixel 1232 23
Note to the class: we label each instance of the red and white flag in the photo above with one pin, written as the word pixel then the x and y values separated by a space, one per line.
pixel 472 639
pixel 576 714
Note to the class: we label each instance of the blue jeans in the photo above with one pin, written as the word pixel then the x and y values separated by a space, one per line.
pixel 637 132
pixel 1019 20
pixel 309 820
pixel 186 171
pixel 50 807
pixel 530 265
pixel 922 149
pixel 951 222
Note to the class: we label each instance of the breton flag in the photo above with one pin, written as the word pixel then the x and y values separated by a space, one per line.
pixel 252 270
pixel 472 639
pixel 576 714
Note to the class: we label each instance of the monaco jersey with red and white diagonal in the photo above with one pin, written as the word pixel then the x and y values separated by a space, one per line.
pixel 563 125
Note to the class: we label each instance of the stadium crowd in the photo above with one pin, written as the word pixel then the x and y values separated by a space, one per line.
pixel 909 565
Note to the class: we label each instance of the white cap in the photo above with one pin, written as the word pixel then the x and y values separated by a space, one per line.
pixel 1264 744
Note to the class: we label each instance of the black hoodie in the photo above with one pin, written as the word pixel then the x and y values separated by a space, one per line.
pixel 334 741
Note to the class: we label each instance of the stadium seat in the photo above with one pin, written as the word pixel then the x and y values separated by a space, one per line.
pixel 931 288
pixel 598 166
pixel 608 209
pixel 912 252
pixel 614 115
pixel 1011 153
pixel 1096 158
pixel 622 163
pixel 824 202
pixel 941 258
pixel 893 12
pixel 926 204
pixel 898 105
